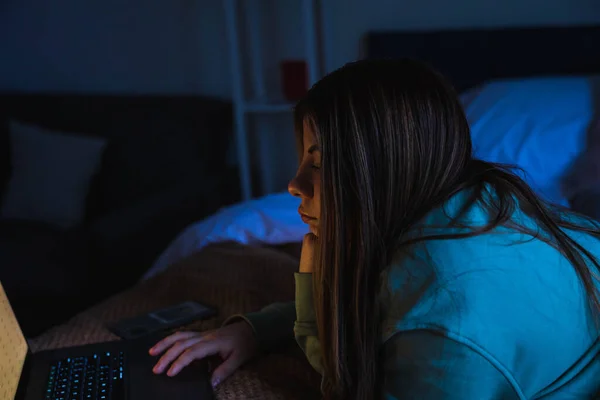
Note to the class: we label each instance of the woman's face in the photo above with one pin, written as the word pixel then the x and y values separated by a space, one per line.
pixel 307 183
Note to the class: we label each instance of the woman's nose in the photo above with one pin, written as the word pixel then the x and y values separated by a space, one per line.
pixel 300 187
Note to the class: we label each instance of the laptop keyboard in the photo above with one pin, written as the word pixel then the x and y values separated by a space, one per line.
pixel 96 377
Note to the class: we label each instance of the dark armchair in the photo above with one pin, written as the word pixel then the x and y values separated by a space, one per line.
pixel 157 176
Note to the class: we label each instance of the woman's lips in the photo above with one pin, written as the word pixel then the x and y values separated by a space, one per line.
pixel 307 220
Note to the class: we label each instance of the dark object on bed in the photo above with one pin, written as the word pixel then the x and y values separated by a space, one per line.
pixel 157 176
pixel 474 56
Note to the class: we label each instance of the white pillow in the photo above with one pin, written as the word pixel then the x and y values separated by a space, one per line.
pixel 538 124
pixel 272 219
pixel 51 175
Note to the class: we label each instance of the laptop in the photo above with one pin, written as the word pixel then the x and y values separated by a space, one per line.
pixel 119 370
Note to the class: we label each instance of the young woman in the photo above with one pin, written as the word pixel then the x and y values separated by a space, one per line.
pixel 427 274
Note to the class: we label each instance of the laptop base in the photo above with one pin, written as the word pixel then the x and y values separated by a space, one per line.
pixel 140 383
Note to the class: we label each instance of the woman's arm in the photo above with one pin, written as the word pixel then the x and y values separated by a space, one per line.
pixel 427 365
pixel 276 324
pixel 273 325
pixel 417 364
pixel 305 328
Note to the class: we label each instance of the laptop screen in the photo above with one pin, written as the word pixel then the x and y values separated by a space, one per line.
pixel 13 349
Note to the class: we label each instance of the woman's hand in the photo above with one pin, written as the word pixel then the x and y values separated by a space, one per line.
pixel 307 255
pixel 235 344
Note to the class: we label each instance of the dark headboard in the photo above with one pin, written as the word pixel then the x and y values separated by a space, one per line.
pixel 470 57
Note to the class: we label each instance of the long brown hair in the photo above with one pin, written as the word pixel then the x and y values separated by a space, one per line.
pixel 396 144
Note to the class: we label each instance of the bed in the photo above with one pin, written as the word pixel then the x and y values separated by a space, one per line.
pixel 202 264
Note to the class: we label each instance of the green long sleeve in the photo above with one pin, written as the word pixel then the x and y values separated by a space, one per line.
pixel 278 323
pixel 305 328
pixel 273 325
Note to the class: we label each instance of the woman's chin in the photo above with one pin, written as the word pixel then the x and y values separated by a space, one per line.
pixel 314 230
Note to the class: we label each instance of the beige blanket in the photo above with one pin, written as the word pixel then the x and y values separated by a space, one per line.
pixel 235 279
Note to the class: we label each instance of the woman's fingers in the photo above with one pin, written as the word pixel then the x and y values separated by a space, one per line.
pixel 235 344
pixel 175 352
pixel 307 255
pixel 196 352
pixel 227 367
pixel 167 342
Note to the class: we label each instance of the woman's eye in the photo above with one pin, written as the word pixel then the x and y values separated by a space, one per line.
pixel 316 167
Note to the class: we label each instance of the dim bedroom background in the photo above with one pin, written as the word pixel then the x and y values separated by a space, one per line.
pixel 530 96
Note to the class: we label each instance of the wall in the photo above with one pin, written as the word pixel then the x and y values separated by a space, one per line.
pixel 180 46
pixel 347 20
pixel 135 46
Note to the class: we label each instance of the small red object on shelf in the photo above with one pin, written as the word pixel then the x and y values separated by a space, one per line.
pixel 294 79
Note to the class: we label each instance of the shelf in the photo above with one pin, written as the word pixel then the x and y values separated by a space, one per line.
pixel 266 107
pixel 244 28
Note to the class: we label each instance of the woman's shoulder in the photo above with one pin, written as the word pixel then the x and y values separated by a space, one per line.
pixel 508 294
pixel 508 306
pixel 499 267
pixel 441 239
